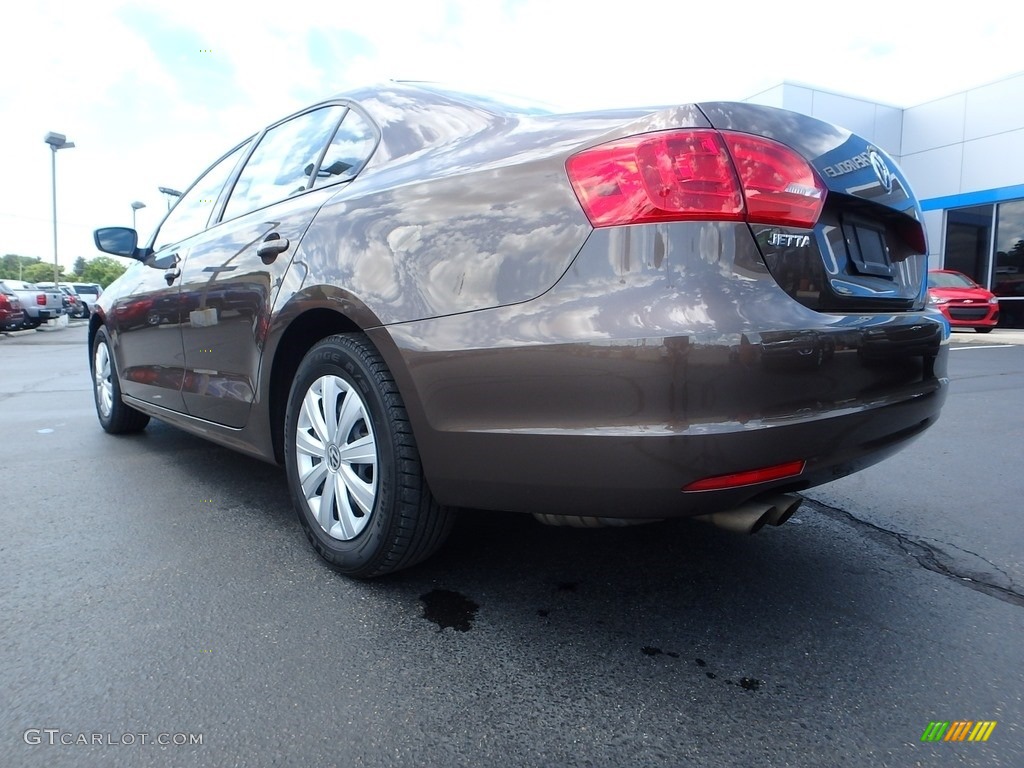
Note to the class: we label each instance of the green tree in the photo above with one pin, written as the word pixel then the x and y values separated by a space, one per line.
pixel 40 272
pixel 10 262
pixel 103 270
pixel 80 263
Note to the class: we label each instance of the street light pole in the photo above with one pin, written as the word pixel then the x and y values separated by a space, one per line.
pixel 137 205
pixel 56 141
pixel 172 194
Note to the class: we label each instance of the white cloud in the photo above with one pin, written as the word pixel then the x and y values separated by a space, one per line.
pixel 98 74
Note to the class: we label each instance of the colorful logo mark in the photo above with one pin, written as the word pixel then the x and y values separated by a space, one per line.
pixel 958 730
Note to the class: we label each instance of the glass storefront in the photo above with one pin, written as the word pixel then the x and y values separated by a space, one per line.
pixel 986 243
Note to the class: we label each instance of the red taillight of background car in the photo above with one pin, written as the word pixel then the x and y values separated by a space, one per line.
pixel 41 299
pixel 698 174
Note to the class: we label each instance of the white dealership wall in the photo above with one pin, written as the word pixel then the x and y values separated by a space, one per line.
pixel 963 149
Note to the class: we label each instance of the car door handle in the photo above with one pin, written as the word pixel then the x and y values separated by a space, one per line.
pixel 171 275
pixel 273 246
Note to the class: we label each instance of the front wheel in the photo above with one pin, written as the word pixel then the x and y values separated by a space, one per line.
pixel 353 466
pixel 115 417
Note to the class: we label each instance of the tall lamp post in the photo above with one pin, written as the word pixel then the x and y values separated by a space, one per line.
pixel 56 141
pixel 137 205
pixel 172 194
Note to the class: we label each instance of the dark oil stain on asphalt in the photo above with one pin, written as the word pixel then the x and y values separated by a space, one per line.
pixel 650 650
pixel 567 586
pixel 543 613
pixel 449 609
pixel 747 683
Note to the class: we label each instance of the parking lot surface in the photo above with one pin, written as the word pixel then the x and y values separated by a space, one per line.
pixel 159 586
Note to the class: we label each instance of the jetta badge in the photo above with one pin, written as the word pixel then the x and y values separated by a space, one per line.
pixel 881 169
pixel 784 240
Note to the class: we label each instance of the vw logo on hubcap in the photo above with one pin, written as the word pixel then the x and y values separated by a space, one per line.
pixel 333 458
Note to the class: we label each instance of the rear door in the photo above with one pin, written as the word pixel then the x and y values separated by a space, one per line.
pixel 232 275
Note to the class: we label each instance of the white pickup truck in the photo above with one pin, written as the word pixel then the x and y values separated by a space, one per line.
pixel 40 304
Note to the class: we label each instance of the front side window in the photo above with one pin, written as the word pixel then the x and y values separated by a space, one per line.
pixel 283 161
pixel 192 213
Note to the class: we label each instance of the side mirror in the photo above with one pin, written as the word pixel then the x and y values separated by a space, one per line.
pixel 120 241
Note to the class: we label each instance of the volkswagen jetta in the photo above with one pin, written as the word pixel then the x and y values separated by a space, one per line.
pixel 417 299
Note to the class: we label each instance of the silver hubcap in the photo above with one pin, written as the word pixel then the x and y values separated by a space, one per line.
pixel 336 454
pixel 101 376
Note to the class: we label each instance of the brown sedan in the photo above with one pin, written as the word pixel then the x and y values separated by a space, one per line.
pixel 417 300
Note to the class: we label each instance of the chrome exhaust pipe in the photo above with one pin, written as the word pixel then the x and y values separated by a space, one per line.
pixel 784 505
pixel 751 517
pixel 748 518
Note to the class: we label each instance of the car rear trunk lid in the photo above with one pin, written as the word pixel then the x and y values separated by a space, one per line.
pixel 867 251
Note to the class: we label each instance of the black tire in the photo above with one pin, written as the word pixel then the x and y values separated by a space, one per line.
pixel 404 525
pixel 983 330
pixel 121 419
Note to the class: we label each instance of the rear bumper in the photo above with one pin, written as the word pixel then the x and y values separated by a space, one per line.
pixel 640 470
pixel 651 365
pixel 12 320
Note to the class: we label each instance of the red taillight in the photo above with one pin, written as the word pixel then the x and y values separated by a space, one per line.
pixel 3 300
pixel 698 174
pixel 779 185
pixel 750 477
pixel 41 299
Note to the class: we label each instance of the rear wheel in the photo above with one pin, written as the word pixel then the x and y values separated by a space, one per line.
pixel 115 417
pixel 353 466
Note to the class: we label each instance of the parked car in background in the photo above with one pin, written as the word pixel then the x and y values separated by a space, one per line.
pixel 72 303
pixel 40 304
pixel 417 299
pixel 88 293
pixel 12 316
pixel 962 301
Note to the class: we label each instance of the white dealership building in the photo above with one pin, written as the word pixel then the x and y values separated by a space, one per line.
pixel 964 156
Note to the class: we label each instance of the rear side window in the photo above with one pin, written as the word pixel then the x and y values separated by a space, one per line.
pixel 283 161
pixel 191 214
pixel 350 149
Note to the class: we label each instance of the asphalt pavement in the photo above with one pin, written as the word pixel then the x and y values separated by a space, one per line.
pixel 157 588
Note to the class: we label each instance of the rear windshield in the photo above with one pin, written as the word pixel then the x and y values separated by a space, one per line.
pixel 949 280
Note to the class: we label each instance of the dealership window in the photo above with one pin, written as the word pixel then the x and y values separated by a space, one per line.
pixel 986 243
pixel 968 241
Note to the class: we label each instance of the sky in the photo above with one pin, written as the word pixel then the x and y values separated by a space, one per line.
pixel 151 93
